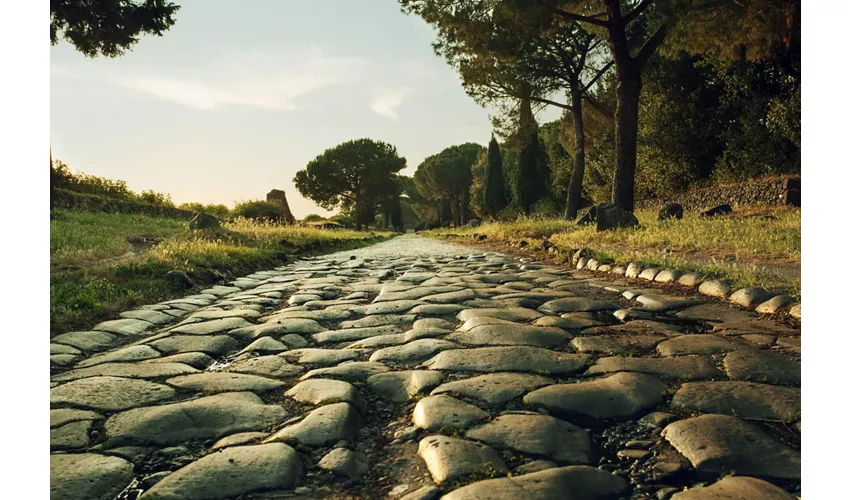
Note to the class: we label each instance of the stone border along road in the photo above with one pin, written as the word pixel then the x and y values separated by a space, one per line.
pixel 415 369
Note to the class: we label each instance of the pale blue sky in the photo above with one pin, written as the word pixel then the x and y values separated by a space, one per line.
pixel 238 96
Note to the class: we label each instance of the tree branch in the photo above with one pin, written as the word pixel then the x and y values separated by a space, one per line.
pixel 649 47
pixel 598 75
pixel 631 16
pixel 551 103
pixel 584 19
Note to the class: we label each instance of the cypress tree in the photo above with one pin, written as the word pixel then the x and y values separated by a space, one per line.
pixel 529 185
pixel 494 179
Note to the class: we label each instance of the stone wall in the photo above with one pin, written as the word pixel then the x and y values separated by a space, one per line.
pixel 769 191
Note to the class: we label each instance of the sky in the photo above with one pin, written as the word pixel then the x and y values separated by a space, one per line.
pixel 238 96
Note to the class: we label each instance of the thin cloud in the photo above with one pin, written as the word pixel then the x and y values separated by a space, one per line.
pixel 253 79
pixel 387 101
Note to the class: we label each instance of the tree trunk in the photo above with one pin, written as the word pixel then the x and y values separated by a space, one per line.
pixel 577 177
pixel 358 218
pixel 52 181
pixel 626 128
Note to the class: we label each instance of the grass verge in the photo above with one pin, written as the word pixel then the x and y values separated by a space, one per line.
pixel 743 247
pixel 104 263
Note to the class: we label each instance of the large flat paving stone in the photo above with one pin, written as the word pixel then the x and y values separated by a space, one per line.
pixel 437 309
pixel 731 487
pixel 379 320
pixel 321 357
pixel 715 313
pixel 682 367
pixel 635 327
pixel 70 436
pixel 721 443
pixel 434 413
pixel 698 344
pixel 576 482
pixel 538 336
pixel 86 341
pixel 323 426
pixel 230 473
pixel 741 399
pixel 762 367
pixel 505 313
pixel 349 334
pixel 130 353
pixel 576 304
pixel 265 366
pixel 110 393
pixel 494 389
pixel 217 382
pixel 616 344
pixel 127 370
pixel 484 320
pixel 391 307
pixel 212 326
pixel 537 435
pixel 149 315
pixel 63 416
pixel 352 371
pixel 510 358
pixel 402 386
pixel 414 351
pixel 569 321
pixel 209 417
pixel 619 396
pixel 88 476
pixel 322 391
pixel 126 326
pixel 215 345
pixel 452 459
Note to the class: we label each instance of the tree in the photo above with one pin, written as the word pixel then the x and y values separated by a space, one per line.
pixel 501 48
pixel 396 214
pixel 494 180
pixel 351 175
pixel 530 183
pixel 108 27
pixel 635 30
pixel 448 176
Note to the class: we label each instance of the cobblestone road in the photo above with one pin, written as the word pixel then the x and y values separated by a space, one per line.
pixel 420 369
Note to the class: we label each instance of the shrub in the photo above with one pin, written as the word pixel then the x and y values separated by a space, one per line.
pixel 343 220
pixel 312 218
pixel 218 210
pixel 258 210
pixel 155 198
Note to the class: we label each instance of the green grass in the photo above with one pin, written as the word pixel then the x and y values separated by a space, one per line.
pixel 83 238
pixel 87 287
pixel 730 247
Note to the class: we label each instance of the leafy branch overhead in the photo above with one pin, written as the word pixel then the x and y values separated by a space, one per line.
pixel 108 27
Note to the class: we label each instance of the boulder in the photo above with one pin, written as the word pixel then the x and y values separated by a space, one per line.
pixel 718 210
pixel 608 216
pixel 203 221
pixel 671 211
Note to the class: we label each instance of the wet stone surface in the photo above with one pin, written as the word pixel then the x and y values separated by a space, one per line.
pixel 421 370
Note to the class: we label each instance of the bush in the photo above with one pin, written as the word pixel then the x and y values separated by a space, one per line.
pixel 155 198
pixel 312 218
pixel 343 220
pixel 258 210
pixel 220 211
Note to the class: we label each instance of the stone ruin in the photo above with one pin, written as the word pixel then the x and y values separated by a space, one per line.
pixel 278 196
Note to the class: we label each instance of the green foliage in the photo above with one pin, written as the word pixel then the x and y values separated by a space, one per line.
pixel 495 197
pixel 354 174
pixel 258 210
pixel 108 27
pixel 530 182
pixel 218 210
pixel 447 176
pixel 312 218
pixel 154 198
